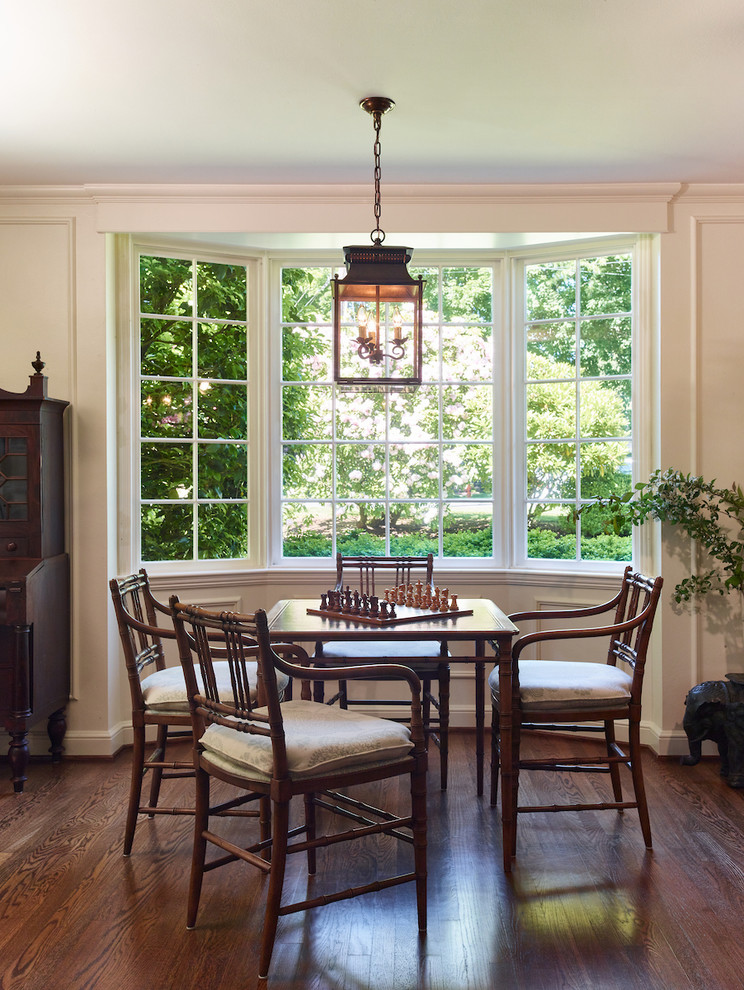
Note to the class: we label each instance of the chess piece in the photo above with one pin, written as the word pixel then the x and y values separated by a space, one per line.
pixel 323 602
pixel 453 603
pixel 384 609
pixel 374 608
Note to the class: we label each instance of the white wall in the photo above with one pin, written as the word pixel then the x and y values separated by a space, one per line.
pixel 53 298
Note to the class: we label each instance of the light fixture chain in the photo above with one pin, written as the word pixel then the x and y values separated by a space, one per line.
pixel 378 235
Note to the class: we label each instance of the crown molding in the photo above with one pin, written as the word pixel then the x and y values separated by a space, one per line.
pixel 421 192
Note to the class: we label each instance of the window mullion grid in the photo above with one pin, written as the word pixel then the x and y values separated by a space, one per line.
pixel 195 413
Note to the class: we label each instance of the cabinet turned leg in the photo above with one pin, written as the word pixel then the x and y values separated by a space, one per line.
pixel 56 728
pixel 18 756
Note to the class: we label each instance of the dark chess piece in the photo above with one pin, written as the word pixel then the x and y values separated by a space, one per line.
pixel 323 603
pixel 374 608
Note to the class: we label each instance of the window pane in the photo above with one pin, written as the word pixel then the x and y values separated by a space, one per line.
pixel 306 354
pixel 166 470
pixel 223 411
pixel 306 295
pixel 551 533
pixel 359 415
pixel 606 347
pixel 414 470
pixel 597 543
pixel 551 470
pixel 360 528
pixel 550 290
pixel 360 470
pixel 306 529
pixel 467 294
pixel 467 470
pixel 605 408
pixel 467 353
pixel 165 348
pixel 605 285
pixel 166 409
pixel 605 469
pixel 167 532
pixel 467 530
pixel 553 342
pixel 223 531
pixel 221 291
pixel 415 415
pixel 306 412
pixel 307 470
pixel 222 351
pixel 414 528
pixel 223 470
pixel 467 412
pixel 551 410
pixel 165 286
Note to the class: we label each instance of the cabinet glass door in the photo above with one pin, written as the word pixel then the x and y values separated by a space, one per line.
pixel 13 478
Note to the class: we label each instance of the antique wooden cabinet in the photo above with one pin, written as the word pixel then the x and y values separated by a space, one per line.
pixel 34 570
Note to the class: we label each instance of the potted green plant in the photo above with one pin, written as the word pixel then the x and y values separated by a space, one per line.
pixel 713 517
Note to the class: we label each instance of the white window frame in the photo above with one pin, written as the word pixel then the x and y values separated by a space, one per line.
pixel 127 253
pixel 422 259
pixel 264 400
pixel 644 424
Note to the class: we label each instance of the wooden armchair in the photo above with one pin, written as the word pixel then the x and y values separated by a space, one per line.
pixel 371 575
pixel 566 695
pixel 158 695
pixel 298 748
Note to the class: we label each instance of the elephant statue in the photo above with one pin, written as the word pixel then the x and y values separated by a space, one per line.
pixel 715 710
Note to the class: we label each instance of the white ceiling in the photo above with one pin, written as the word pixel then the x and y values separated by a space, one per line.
pixel 487 91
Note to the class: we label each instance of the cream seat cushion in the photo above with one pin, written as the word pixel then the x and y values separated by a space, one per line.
pixel 390 650
pixel 319 739
pixel 164 691
pixel 567 684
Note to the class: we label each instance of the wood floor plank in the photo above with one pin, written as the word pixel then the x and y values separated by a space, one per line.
pixel 587 907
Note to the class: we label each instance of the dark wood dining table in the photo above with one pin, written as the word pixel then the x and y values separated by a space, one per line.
pixel 290 622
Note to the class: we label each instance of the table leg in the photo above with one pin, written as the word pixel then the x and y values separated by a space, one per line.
pixel 480 680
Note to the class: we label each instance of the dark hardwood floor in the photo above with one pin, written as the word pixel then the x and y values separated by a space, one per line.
pixel 587 907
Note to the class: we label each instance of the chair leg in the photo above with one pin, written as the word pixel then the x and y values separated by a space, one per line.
pixel 135 787
pixel 318 692
pixel 634 736
pixel 310 830
pixel 157 772
pixel 280 818
pixel 444 714
pixel 418 811
pixel 509 749
pixel 617 787
pixel 264 824
pixel 426 707
pixel 495 763
pixel 201 824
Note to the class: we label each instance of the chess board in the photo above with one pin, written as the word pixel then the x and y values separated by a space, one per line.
pixel 403 613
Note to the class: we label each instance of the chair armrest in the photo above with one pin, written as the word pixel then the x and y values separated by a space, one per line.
pixel 588 633
pixel 564 613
